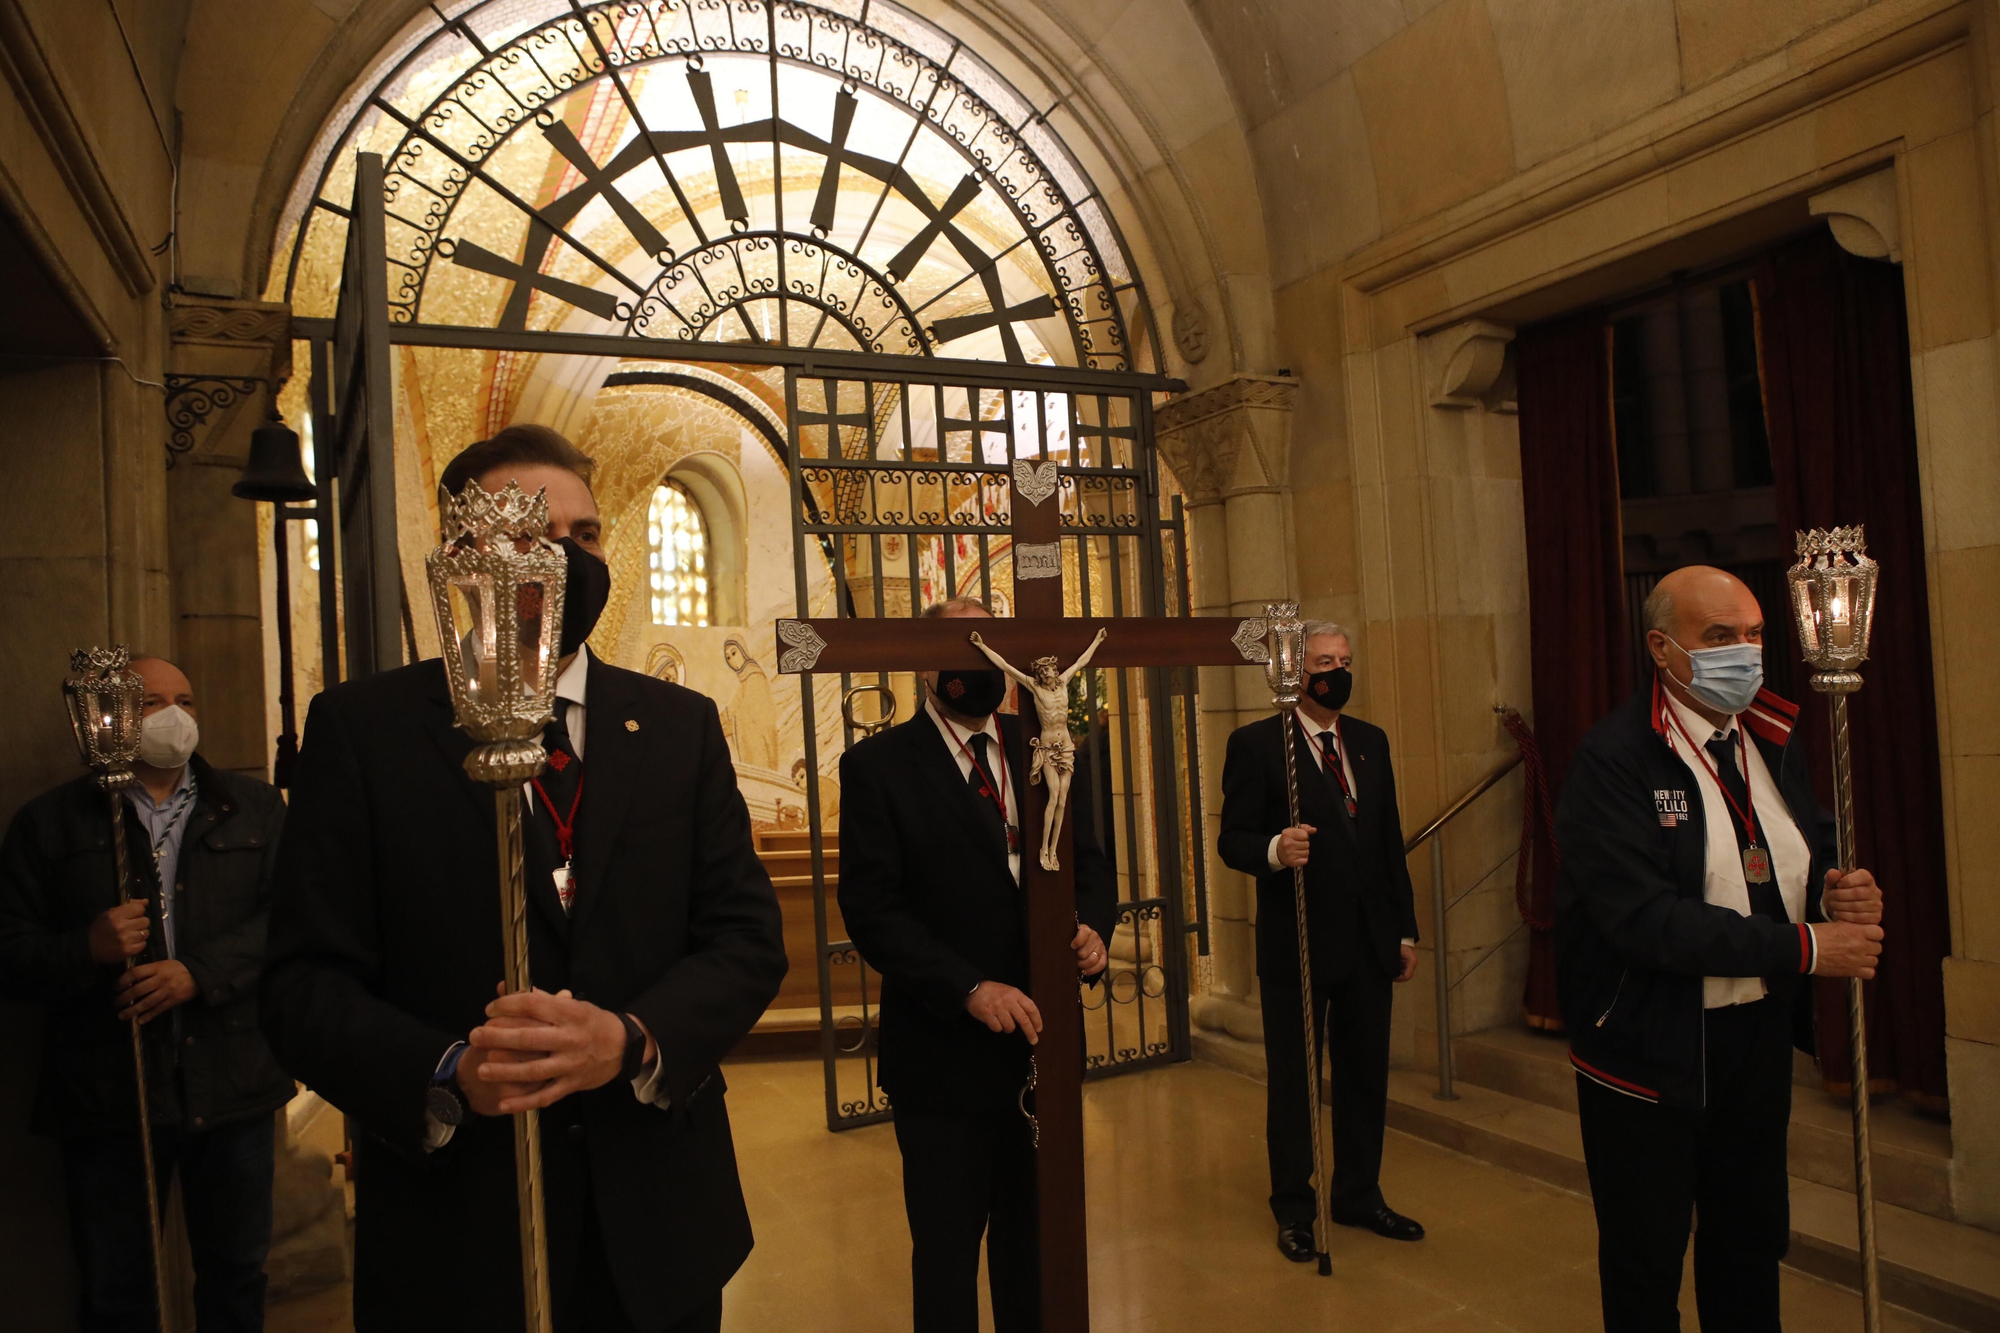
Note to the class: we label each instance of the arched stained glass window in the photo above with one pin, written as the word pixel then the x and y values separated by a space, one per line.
pixel 678 540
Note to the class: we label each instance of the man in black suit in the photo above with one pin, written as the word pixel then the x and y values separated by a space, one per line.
pixel 1361 925
pixel 930 889
pixel 654 940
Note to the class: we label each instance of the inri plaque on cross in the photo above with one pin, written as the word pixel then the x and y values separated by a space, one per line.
pixel 1037 629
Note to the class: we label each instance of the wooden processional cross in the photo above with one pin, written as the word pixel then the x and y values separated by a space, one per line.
pixel 1037 629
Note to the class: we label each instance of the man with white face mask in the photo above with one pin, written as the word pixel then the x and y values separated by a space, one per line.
pixel 1698 892
pixel 201 844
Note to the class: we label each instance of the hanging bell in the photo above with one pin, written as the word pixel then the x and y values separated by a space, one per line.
pixel 276 472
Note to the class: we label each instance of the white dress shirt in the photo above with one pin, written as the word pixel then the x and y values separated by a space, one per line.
pixel 958 740
pixel 1316 747
pixel 570 685
pixel 1723 884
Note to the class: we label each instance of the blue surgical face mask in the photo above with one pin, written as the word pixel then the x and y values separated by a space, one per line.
pixel 1726 678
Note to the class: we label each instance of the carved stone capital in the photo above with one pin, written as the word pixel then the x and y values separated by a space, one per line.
pixel 244 344
pixel 1231 436
pixel 1467 366
pixel 1864 216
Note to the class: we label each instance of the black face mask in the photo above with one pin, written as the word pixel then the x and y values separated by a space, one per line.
pixel 973 693
pixel 586 588
pixel 1329 689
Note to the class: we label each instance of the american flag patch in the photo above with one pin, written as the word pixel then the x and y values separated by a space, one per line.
pixel 1671 806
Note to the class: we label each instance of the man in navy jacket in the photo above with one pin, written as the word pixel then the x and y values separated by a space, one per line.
pixel 1698 891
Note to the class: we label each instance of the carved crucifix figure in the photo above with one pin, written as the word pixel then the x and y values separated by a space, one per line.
pixel 1054 753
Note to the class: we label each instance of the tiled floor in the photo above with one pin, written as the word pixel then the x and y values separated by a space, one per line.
pixel 1180 1238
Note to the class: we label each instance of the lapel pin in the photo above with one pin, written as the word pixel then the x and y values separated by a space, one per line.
pixel 631 725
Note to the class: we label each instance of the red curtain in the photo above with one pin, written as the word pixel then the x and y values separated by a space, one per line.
pixel 1835 349
pixel 1576 591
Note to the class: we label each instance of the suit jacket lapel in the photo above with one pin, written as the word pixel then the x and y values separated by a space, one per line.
pixel 611 764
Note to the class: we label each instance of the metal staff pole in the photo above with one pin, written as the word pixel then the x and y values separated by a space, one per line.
pixel 103 695
pixel 1833 600
pixel 528 1123
pixel 1285 671
pixel 497 590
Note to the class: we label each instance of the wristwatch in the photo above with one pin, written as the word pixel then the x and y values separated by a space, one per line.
pixel 444 1101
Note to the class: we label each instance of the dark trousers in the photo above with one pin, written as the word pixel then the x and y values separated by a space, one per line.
pixel 225 1196
pixel 965 1176
pixel 1351 1018
pixel 1653 1167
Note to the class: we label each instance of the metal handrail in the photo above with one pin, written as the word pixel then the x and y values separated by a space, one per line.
pixel 1440 909
pixel 1485 785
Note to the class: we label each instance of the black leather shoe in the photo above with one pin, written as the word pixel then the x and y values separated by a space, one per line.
pixel 1296 1243
pixel 1385 1221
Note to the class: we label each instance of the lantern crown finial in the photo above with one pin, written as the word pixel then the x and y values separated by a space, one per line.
pixel 1833 542
pixel 476 515
pixel 100 661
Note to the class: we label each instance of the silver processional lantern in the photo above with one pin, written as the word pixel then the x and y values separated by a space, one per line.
pixel 103 695
pixel 1833 603
pixel 1833 598
pixel 497 589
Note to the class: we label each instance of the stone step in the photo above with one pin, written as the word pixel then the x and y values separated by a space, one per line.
pixel 1912 1151
pixel 792 840
pixel 1942 1270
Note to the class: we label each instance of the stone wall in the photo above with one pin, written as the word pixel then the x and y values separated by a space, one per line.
pixel 84 184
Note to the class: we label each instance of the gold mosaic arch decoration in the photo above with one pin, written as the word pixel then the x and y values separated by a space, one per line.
pixel 634 217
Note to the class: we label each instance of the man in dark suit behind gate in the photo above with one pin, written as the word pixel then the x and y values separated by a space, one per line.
pixel 654 942
pixel 1361 927
pixel 930 889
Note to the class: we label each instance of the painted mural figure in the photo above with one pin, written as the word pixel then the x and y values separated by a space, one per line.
pixel 829 793
pixel 750 720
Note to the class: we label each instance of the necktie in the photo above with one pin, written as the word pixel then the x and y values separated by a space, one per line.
pixel 1329 745
pixel 1765 898
pixel 985 788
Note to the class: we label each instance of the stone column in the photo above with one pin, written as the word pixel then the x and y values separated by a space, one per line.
pixel 1230 446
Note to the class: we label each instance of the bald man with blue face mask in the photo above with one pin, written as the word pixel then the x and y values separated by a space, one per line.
pixel 1698 894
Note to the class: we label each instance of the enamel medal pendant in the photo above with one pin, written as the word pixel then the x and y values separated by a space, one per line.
pixel 1756 865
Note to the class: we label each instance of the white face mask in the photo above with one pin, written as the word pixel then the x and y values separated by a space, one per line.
pixel 167 738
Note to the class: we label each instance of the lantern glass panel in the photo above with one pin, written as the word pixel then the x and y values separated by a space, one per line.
pixel 534 634
pixel 474 622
